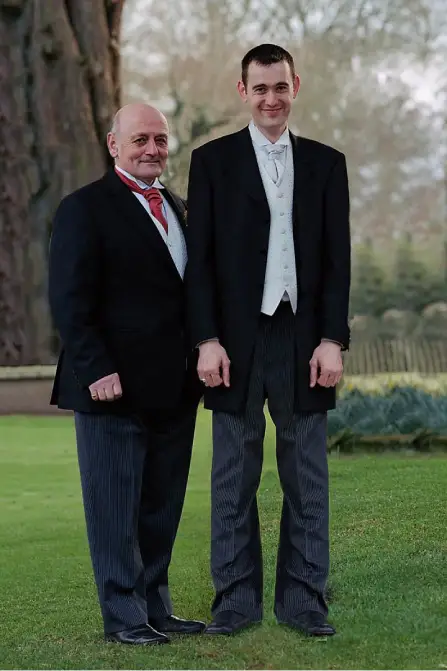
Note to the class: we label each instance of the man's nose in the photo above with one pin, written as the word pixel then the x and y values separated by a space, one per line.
pixel 271 98
pixel 151 147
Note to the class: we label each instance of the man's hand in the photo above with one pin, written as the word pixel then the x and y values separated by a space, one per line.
pixel 108 388
pixel 213 366
pixel 326 365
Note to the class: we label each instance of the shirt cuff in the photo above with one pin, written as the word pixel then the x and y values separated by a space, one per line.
pixel 329 340
pixel 202 342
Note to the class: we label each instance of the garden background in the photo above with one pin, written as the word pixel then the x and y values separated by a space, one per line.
pixel 374 85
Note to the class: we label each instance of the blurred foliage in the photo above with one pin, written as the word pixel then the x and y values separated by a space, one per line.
pixel 400 410
pixel 414 284
pixel 398 291
pixel 382 384
pixel 370 291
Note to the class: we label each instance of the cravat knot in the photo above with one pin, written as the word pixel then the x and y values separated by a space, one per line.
pixel 275 151
pixel 274 165
pixel 152 195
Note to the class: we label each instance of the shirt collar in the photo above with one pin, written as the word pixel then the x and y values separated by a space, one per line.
pixel 260 140
pixel 157 184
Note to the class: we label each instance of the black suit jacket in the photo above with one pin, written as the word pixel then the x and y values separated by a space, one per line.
pixel 228 236
pixel 117 301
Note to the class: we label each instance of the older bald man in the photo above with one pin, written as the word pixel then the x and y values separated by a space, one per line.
pixel 117 260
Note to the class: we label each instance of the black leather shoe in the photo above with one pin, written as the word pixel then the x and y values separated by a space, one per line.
pixel 142 635
pixel 175 625
pixel 228 622
pixel 311 623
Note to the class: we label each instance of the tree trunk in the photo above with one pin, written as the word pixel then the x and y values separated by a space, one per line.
pixel 59 89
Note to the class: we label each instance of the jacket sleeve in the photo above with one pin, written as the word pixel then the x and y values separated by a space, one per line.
pixel 200 276
pixel 74 291
pixel 336 256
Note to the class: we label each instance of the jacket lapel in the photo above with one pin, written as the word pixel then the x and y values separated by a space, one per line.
pixel 303 196
pixel 133 211
pixel 178 205
pixel 303 180
pixel 244 167
pixel 249 177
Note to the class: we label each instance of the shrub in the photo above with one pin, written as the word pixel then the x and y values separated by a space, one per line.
pixel 397 410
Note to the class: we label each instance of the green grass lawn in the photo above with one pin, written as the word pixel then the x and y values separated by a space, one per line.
pixel 389 568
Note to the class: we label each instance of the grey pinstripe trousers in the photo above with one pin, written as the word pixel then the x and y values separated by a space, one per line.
pixel 134 471
pixel 303 554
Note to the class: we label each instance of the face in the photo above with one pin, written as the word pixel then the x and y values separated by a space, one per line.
pixel 270 92
pixel 140 143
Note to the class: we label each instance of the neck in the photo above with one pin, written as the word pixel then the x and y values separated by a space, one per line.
pixel 146 181
pixel 272 134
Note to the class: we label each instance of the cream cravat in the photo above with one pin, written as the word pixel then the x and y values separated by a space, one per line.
pixel 274 163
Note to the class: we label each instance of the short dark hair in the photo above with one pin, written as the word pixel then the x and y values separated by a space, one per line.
pixel 266 54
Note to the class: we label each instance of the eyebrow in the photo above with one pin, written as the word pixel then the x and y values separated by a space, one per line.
pixel 258 86
pixel 135 136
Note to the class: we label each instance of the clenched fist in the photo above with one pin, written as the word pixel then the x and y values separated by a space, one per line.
pixel 213 366
pixel 108 388
pixel 326 365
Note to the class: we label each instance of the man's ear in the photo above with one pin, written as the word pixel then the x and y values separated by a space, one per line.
pixel 242 90
pixel 111 145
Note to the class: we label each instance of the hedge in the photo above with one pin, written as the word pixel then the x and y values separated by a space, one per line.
pixel 392 417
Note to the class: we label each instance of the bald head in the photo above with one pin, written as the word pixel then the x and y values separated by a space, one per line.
pixel 132 114
pixel 138 141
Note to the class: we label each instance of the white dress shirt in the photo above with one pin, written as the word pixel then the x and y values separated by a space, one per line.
pixel 275 162
pixel 174 238
pixel 268 152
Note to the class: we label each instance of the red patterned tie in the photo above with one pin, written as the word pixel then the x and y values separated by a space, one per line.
pixel 152 196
